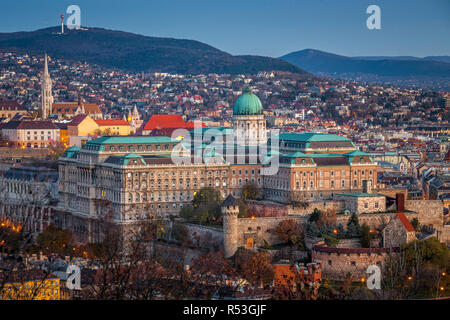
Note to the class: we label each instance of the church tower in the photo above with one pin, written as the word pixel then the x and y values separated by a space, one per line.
pixel 248 120
pixel 134 119
pixel 46 92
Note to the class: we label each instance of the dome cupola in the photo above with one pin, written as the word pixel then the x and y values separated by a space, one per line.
pixel 248 104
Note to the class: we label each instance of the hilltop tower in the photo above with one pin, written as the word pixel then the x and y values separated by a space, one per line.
pixel 248 120
pixel 230 212
pixel 62 22
pixel 46 92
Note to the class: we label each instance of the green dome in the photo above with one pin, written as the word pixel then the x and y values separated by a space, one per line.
pixel 248 104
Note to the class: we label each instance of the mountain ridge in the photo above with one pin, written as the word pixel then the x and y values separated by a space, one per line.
pixel 136 53
pixel 325 63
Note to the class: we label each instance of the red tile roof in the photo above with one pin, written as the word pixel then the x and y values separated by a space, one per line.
pixel 30 125
pixel 77 119
pixel 404 220
pixel 161 121
pixel 71 107
pixel 165 121
pixel 104 123
pixel 10 105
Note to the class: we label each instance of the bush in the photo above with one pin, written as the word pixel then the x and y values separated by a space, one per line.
pixel 330 241
pixel 315 216
pixel 251 191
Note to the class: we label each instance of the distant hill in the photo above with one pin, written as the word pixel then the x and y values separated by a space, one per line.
pixel 136 53
pixel 324 63
pixel 430 58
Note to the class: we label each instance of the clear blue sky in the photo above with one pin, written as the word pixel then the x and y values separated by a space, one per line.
pixel 262 27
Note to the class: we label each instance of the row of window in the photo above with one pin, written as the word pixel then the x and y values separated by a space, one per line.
pixel 140 147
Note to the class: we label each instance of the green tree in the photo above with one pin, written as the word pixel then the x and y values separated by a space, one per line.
pixel 330 240
pixel 366 236
pixel 312 229
pixel 243 209
pixel 205 207
pixel 54 240
pixel 415 224
pixel 251 191
pixel 340 231
pixel 353 227
pixel 315 216
pixel 206 195
pixel 430 251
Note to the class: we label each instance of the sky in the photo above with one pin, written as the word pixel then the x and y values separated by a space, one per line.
pixel 260 27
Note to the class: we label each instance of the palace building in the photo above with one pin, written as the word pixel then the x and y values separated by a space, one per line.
pixel 131 178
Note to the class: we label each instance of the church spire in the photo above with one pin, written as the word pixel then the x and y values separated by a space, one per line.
pixel 46 91
pixel 46 74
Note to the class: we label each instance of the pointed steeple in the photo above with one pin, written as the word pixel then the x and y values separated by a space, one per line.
pixel 46 91
pixel 46 67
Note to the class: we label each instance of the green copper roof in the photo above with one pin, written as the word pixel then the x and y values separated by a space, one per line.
pixel 131 155
pixel 357 153
pixel 71 152
pixel 311 136
pixel 128 159
pixel 248 104
pixel 311 155
pixel 73 148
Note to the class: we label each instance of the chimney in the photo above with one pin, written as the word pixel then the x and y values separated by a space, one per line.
pixel 367 186
pixel 400 201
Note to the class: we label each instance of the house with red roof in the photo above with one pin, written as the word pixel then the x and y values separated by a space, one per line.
pixel 398 231
pixel 31 133
pixel 83 125
pixel 166 123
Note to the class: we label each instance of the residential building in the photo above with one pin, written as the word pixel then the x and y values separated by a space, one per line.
pixel 31 133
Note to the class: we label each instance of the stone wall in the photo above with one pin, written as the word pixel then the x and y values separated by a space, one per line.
pixel 446 235
pixel 337 263
pixel 391 192
pixel 265 209
pixel 288 254
pixel 363 204
pixel 328 205
pixel 260 229
pixel 205 237
pixel 430 212
pixel 373 220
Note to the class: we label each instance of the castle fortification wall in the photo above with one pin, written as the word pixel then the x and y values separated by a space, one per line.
pixel 337 263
